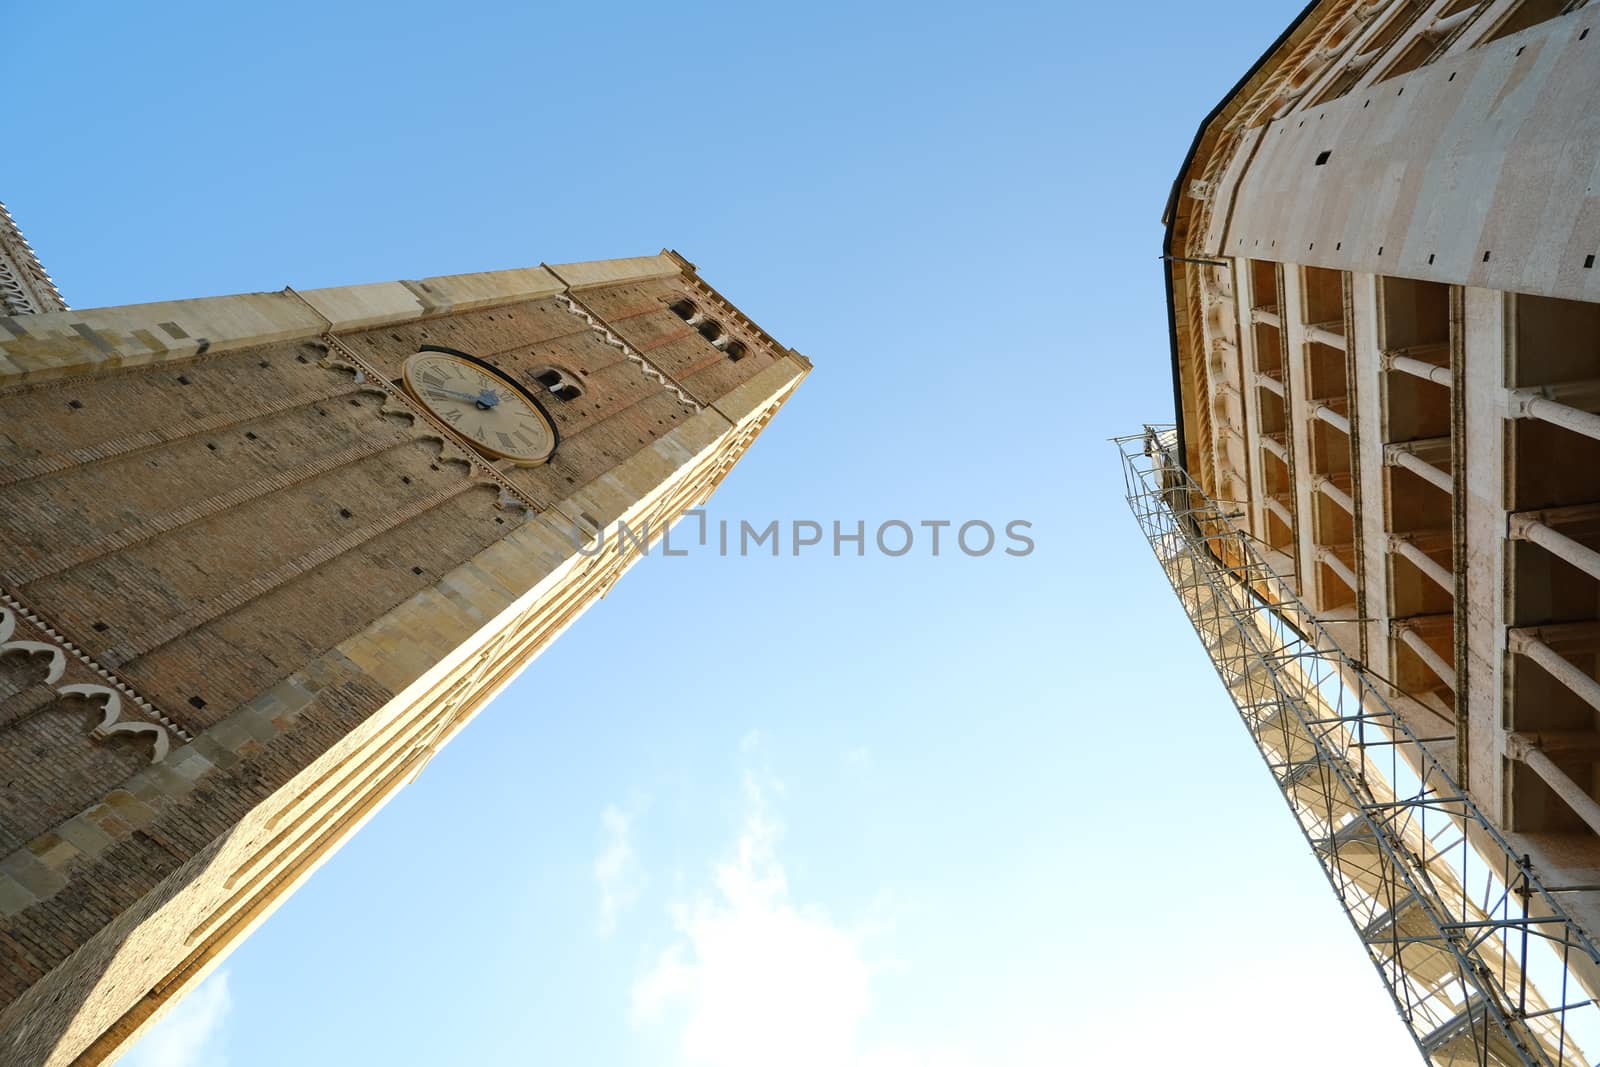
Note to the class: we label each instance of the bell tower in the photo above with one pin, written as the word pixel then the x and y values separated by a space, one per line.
pixel 262 555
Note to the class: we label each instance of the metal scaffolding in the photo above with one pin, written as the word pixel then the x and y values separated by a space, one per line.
pixel 1399 841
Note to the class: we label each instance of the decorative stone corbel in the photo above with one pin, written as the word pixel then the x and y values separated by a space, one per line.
pixel 66 657
pixel 111 721
pixel 58 659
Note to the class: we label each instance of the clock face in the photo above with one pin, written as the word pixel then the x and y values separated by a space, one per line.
pixel 482 406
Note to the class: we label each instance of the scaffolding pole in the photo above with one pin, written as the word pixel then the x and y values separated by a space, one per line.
pixel 1399 841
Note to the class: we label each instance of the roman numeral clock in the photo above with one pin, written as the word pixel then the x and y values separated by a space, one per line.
pixel 494 414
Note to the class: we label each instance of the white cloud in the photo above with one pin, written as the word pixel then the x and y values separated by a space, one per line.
pixel 616 870
pixel 752 978
pixel 190 1035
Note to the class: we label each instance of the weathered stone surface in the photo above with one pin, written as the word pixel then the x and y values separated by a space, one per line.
pixel 1385 279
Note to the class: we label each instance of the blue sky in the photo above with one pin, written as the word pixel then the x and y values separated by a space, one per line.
pixel 836 812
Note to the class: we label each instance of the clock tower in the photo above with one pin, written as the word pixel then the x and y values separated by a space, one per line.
pixel 262 555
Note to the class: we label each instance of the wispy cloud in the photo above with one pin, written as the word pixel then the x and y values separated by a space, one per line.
pixel 191 1033
pixel 752 978
pixel 617 871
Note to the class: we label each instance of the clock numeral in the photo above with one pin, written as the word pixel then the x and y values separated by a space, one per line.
pixel 452 417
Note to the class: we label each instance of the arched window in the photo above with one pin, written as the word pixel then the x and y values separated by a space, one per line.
pixel 710 330
pixel 736 351
pixel 685 310
pixel 563 385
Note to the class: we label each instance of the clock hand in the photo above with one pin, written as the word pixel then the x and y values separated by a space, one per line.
pixel 485 399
